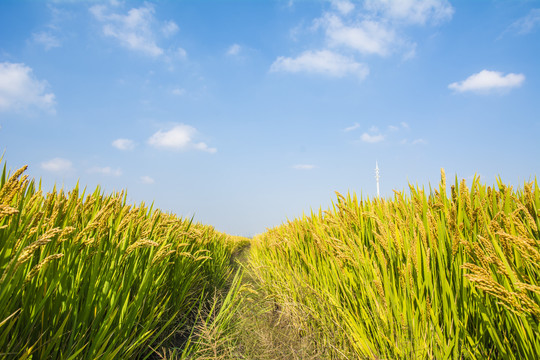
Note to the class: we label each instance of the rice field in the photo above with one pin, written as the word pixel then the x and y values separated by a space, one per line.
pixel 87 276
pixel 445 273
pixel 424 275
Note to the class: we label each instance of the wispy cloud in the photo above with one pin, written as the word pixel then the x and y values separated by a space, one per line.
pixel 137 30
pixel 487 81
pixel 20 90
pixel 234 50
pixel 123 144
pixel 52 36
pixel 57 165
pixel 402 125
pixel 303 167
pixel 107 170
pixel 343 6
pixel 419 142
pixel 371 138
pixel 418 12
pixel 47 39
pixel 169 28
pixel 352 128
pixel 526 24
pixel 388 133
pixel 179 137
pixel 322 62
pixel 204 147
pixel 147 180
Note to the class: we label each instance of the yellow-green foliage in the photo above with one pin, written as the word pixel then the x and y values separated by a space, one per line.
pixel 414 277
pixel 90 277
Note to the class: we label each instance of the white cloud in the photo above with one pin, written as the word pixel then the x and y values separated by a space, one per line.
pixel 372 139
pixel 124 144
pixel 486 81
pixel 377 26
pixel 180 137
pixel 57 165
pixel 419 141
pixel 105 171
pixel 412 11
pixel 20 90
pixel 322 62
pixel 402 125
pixel 526 24
pixel 234 50
pixel 147 180
pixel 366 37
pixel 48 40
pixel 389 133
pixel 203 147
pixel 169 28
pixel 351 128
pixel 343 6
pixel 51 37
pixel 137 30
pixel 369 27
pixel 303 167
pixel 180 53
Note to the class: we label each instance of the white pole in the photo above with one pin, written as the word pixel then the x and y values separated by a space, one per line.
pixel 377 176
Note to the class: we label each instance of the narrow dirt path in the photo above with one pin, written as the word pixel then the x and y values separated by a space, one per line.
pixel 259 329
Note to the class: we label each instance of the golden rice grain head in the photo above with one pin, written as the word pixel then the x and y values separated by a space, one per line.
pixel 51 233
pixel 483 280
pixel 531 221
pixel 162 253
pixel 68 230
pixel 6 210
pixel 204 257
pixel 527 247
pixel 413 256
pixel 380 290
pixel 28 251
pixel 443 178
pixel 186 254
pixel 141 243
pixel 421 230
pixel 12 186
pixel 41 265
pixel 530 287
pixel 528 305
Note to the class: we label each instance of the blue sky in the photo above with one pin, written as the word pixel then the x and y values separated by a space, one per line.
pixel 247 113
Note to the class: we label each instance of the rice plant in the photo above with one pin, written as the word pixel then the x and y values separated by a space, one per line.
pixel 420 276
pixel 87 276
pixel 423 275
